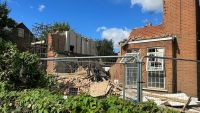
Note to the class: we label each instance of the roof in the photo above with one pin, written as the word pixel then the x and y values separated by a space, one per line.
pixel 148 32
pixel 21 24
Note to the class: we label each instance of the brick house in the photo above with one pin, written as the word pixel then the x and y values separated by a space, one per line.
pixel 22 37
pixel 176 37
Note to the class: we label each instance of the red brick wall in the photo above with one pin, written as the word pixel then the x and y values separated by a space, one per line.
pixel 180 19
pixel 117 71
pixel 51 54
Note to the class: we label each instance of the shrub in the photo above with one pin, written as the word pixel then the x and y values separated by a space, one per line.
pixel 21 70
pixel 41 100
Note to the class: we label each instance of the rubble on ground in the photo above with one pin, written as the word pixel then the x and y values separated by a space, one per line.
pixel 95 82
pixel 92 81
pixel 180 101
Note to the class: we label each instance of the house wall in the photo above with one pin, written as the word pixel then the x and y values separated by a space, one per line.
pixel 180 19
pixel 58 42
pixel 79 44
pixel 59 46
pixel 93 51
pixel 23 43
pixel 61 43
pixel 117 70
pixel 84 46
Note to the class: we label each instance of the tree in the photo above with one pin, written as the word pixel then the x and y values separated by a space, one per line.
pixel 105 48
pixel 18 69
pixel 6 24
pixel 41 30
pixel 60 27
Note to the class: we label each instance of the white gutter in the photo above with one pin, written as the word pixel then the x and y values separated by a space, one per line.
pixel 150 40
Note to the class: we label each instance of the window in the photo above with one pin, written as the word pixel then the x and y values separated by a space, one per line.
pixel 155 68
pixel 131 68
pixel 156 79
pixel 131 75
pixel 71 48
pixel 134 52
pixel 155 64
pixel 21 32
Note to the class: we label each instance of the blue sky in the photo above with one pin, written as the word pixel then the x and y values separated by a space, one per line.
pixel 111 19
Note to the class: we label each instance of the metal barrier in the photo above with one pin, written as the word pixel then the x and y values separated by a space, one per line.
pixel 97 70
pixel 161 79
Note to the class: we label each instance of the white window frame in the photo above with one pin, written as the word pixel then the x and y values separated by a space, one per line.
pixel 155 54
pixel 150 87
pixel 124 59
pixel 131 69
pixel 20 32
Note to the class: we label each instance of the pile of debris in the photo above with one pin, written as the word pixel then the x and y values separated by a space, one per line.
pixel 92 81
pixel 178 101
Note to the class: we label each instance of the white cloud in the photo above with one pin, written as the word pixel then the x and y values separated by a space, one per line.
pixel 116 34
pixel 149 5
pixel 41 7
pixel 101 28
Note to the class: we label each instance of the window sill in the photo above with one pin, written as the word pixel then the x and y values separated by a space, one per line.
pixel 148 89
pixel 154 89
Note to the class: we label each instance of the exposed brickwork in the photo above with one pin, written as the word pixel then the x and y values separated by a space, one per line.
pixel 51 54
pixel 180 20
pixel 147 32
pixel 117 70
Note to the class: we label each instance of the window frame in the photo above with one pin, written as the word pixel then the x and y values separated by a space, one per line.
pixel 163 54
pixel 20 32
pixel 128 67
pixel 164 81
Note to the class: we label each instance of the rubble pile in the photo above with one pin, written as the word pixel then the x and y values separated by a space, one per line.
pixel 94 82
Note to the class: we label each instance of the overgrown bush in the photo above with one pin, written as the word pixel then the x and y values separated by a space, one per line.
pixel 22 70
pixel 43 101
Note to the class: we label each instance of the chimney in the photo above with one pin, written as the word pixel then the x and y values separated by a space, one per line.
pixel 148 24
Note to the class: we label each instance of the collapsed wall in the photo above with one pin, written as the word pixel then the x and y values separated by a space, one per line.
pixel 66 44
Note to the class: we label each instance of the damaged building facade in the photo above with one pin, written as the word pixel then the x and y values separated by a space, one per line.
pixel 176 37
pixel 67 44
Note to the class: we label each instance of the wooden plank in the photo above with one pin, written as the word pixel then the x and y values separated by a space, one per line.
pixel 186 104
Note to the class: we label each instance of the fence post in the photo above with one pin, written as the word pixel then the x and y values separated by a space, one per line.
pixel 124 84
pixel 139 82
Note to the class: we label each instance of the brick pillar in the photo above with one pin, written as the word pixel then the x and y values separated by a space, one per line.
pixel 50 54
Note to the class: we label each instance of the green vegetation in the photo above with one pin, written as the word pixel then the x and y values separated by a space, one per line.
pixel 105 48
pixel 43 101
pixel 21 70
pixel 41 30
pixel 6 24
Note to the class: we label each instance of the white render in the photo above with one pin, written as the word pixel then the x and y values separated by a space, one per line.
pixel 82 45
